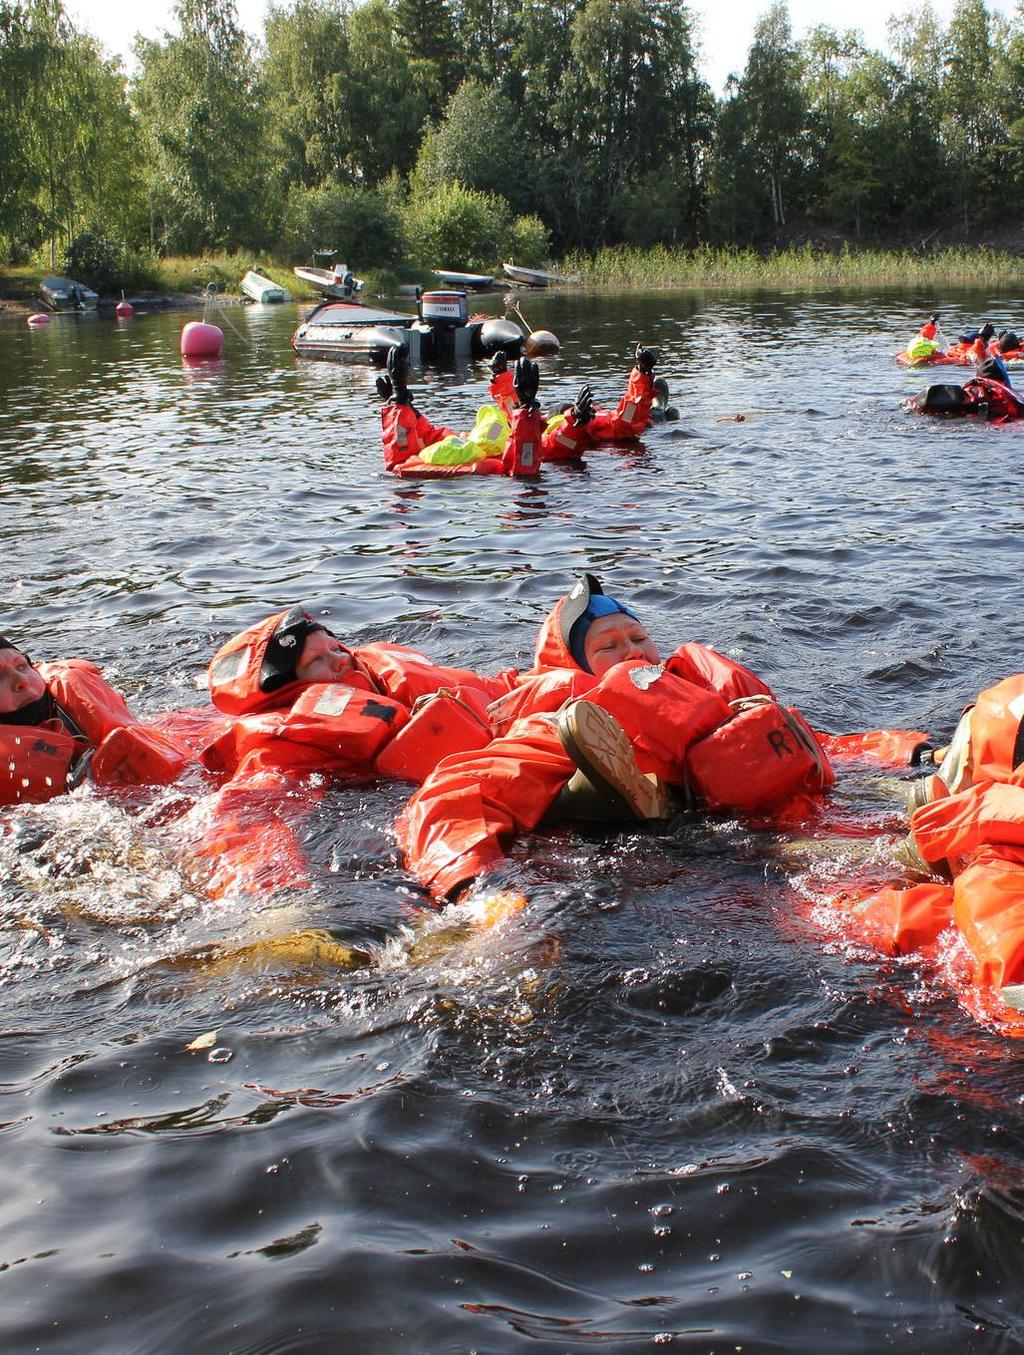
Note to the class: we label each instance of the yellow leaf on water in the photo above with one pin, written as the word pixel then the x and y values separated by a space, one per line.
pixel 204 1041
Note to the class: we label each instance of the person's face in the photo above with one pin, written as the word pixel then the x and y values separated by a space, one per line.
pixel 20 684
pixel 323 659
pixel 614 639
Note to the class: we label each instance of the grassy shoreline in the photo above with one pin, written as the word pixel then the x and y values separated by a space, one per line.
pixel 802 267
pixel 615 268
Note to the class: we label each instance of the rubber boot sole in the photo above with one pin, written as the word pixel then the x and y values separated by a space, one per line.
pixel 601 749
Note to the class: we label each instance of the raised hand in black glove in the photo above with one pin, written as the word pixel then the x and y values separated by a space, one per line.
pixel 646 358
pixel 395 386
pixel 499 363
pixel 526 381
pixel 583 409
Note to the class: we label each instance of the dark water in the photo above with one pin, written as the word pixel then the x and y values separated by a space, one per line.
pixel 657 1108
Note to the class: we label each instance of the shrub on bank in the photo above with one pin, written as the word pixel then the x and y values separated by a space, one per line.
pixel 457 227
pixel 108 266
pixel 362 225
pixel 528 242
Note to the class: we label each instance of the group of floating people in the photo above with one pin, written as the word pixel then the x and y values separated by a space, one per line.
pixel 600 730
pixel 513 435
pixel 988 394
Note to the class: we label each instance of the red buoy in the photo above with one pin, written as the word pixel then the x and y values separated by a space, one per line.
pixel 123 309
pixel 200 340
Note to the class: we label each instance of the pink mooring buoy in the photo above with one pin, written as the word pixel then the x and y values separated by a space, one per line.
pixel 123 309
pixel 37 318
pixel 200 340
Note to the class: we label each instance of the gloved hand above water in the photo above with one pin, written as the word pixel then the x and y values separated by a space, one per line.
pixel 646 358
pixel 395 386
pixel 527 383
pixel 499 363
pixel 583 409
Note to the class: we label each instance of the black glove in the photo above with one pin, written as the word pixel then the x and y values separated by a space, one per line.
pixel 499 363
pixel 526 382
pixel 646 358
pixel 395 386
pixel 583 409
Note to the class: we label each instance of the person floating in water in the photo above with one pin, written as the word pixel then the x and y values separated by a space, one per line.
pixel 61 722
pixel 600 730
pixel 415 446
pixel 989 394
pixel 569 434
pixel 926 344
pixel 300 702
pixel 976 342
pixel 967 844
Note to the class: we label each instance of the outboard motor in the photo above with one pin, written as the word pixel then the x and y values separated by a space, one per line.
pixel 443 326
pixel 443 310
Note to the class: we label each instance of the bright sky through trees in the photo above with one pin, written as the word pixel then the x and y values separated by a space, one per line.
pixel 725 29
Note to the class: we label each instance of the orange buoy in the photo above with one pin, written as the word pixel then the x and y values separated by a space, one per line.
pixel 200 340
pixel 541 343
pixel 37 318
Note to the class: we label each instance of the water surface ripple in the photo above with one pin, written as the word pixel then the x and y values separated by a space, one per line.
pixel 658 1108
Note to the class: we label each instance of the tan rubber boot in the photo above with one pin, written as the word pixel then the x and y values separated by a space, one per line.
pixel 601 750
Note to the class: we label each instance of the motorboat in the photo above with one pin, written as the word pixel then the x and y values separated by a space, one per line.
pixel 532 277
pixel 258 288
pixel 348 329
pixel 441 330
pixel 61 294
pixel 337 282
pixel 469 282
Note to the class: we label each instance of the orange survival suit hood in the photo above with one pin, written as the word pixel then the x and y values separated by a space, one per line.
pixel 255 670
pixel 557 645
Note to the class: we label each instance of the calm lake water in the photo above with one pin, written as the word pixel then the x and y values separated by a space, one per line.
pixel 660 1107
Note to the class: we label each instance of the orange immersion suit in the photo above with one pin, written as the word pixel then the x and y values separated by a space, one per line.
pixel 455 826
pixel 972 830
pixel 568 440
pixel 405 432
pixel 395 713
pixel 37 762
pixel 631 416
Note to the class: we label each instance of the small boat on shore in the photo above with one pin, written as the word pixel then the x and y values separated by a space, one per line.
pixel 61 294
pixel 469 282
pixel 258 288
pixel 533 277
pixel 338 283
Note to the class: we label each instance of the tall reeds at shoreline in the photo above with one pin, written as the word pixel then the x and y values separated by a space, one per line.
pixel 661 266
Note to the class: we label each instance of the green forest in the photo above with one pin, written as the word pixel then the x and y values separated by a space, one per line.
pixel 457 132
